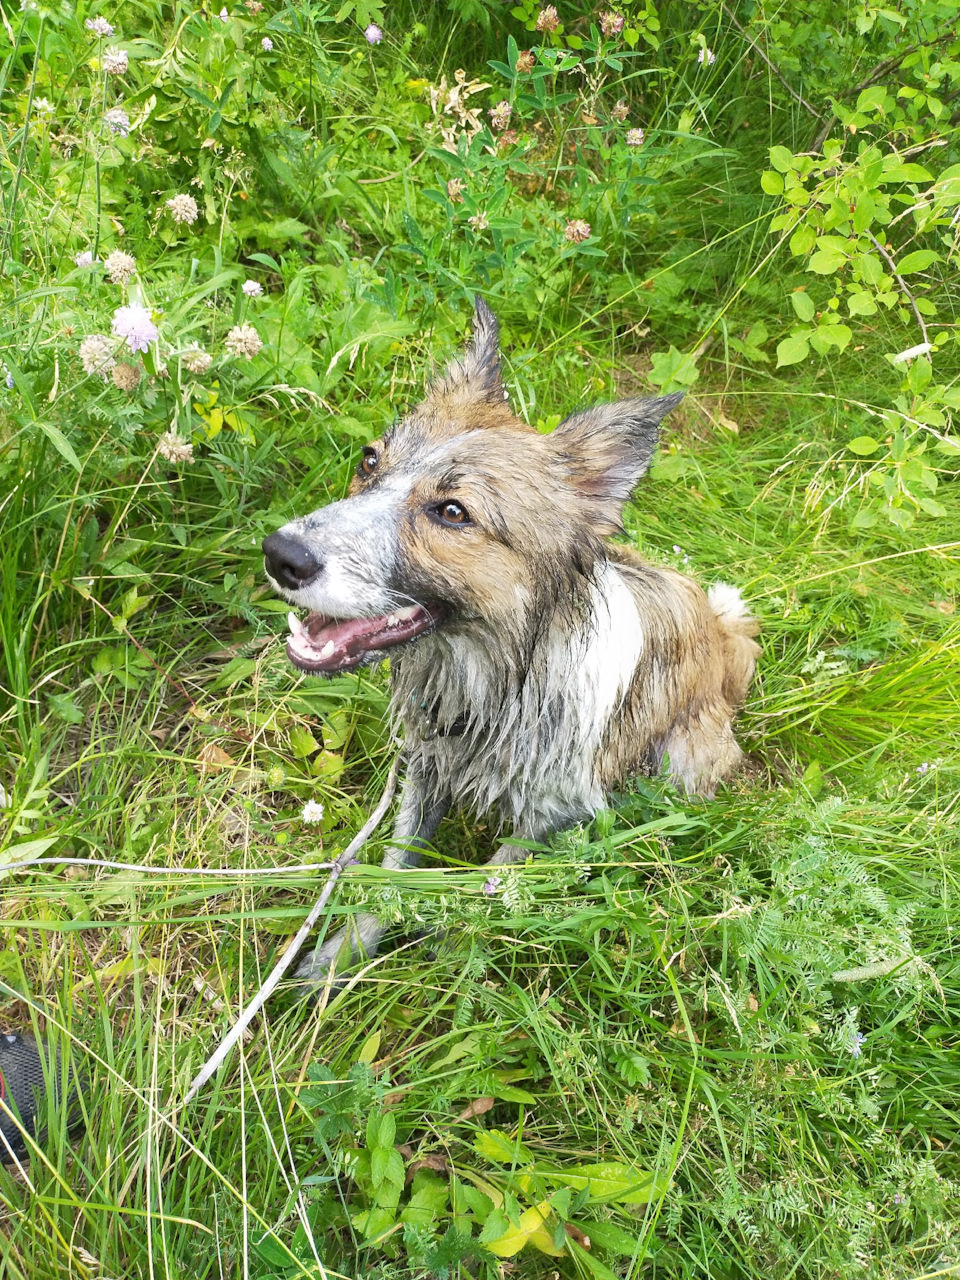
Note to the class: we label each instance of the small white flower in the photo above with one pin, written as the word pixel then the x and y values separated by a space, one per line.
pixel 634 137
pixel 183 209
pixel 115 62
pixel 174 448
pixel 252 288
pixel 96 355
pixel 223 15
pixel 120 266
pixel 312 812
pixel 243 340
pixel 84 259
pixel 43 106
pixel 912 352
pixel 100 27
pixel 134 324
pixel 479 221
pixel 196 361
pixel 117 121
pixel 706 56
pixel 266 44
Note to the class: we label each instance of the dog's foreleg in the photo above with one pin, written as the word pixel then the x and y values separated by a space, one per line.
pixel 417 820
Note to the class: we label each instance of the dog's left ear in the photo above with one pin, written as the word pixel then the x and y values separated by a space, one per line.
pixel 475 374
pixel 608 448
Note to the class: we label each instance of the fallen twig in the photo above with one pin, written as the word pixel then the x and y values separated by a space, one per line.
pixel 216 1060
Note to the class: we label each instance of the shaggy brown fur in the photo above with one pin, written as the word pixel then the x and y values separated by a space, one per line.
pixel 535 665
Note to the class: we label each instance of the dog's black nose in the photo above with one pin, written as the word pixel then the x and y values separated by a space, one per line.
pixel 290 561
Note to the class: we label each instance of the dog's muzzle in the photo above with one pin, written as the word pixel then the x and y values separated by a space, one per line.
pixel 290 562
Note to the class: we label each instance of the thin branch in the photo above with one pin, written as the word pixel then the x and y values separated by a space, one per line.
pixel 900 281
pixel 216 1060
pixel 773 67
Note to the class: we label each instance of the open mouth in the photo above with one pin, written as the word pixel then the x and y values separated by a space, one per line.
pixel 331 645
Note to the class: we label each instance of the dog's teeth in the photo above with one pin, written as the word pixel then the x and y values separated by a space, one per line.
pixel 327 649
pixel 393 621
pixel 294 623
pixel 406 614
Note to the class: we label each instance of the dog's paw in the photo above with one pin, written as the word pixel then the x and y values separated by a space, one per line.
pixel 331 962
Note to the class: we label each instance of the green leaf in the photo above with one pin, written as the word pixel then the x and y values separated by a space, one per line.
pixel 803 305
pixel 61 444
pixel 534 1227
pixel 792 350
pixel 932 507
pixel 863 446
pixel 65 708
pixel 872 99
pixel 919 260
pixel 589 1263
pixel 861 304
pixel 610 1182
pixel 826 261
pixel 782 159
pixel 493 1144
pixel 802 240
pixel 673 371
pixel 27 850
pixel 302 742
pixel 772 183
pixel 865 518
pixel 370 1046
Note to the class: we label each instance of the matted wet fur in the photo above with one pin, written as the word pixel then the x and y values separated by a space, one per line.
pixel 535 665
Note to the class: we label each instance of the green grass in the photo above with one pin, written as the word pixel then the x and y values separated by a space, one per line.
pixel 748 1007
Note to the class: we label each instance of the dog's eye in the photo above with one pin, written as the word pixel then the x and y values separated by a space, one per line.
pixel 452 513
pixel 368 463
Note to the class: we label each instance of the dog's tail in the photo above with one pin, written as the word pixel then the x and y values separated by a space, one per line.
pixel 738 626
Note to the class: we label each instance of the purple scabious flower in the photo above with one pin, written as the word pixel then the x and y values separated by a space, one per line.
pixel 252 288
pixel 266 44
pixel 134 324
pixel 373 34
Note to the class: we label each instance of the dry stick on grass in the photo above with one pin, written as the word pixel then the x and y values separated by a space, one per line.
pixel 216 1060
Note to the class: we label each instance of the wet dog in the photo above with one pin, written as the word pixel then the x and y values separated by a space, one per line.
pixel 534 664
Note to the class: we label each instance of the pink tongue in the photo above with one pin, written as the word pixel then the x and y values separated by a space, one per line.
pixel 329 644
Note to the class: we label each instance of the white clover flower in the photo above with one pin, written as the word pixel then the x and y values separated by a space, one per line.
pixel 117 121
pixel 266 44
pixel 373 34
pixel 223 15
pixel 120 266
pixel 312 812
pixel 115 62
pixel 635 137
pixel 243 341
pixel 134 324
pixel 43 106
pixel 577 231
pixel 183 209
pixel 479 221
pixel 706 56
pixel 100 27
pixel 196 361
pixel 96 355
pixel 252 288
pixel 84 259
pixel 174 448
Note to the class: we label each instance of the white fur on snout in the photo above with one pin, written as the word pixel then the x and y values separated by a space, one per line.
pixel 356 542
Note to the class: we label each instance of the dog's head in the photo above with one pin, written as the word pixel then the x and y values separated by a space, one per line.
pixel 461 514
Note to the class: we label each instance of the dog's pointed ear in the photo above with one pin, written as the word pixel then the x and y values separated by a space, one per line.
pixel 608 448
pixel 476 373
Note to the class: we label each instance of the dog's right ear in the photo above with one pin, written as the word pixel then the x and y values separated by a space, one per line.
pixel 475 375
pixel 607 449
